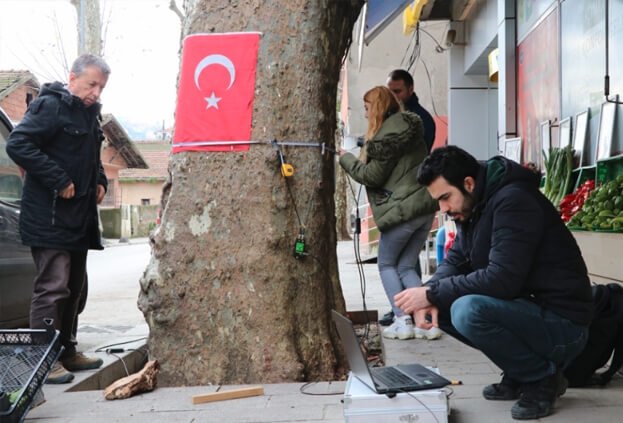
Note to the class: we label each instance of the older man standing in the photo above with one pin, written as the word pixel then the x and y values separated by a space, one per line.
pixel 58 145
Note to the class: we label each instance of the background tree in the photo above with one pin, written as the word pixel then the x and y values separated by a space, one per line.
pixel 224 298
pixel 89 22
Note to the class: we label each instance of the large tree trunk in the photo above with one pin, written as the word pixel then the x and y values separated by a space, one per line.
pixel 225 299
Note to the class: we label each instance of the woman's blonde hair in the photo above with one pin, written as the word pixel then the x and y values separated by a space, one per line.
pixel 382 103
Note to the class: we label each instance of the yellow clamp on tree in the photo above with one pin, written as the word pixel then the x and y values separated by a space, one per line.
pixel 411 16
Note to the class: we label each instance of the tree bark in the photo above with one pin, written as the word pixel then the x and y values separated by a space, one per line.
pixel 225 300
pixel 342 203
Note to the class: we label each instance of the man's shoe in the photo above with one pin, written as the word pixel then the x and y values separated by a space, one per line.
pixel 402 328
pixel 538 398
pixel 59 374
pixel 387 319
pixel 430 334
pixel 561 384
pixel 80 361
pixel 508 389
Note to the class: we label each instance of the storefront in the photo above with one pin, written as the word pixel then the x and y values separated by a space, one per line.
pixel 553 60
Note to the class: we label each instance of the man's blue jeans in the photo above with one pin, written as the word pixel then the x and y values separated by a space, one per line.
pixel 525 340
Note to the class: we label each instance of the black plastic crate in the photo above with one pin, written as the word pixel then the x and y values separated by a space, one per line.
pixel 26 358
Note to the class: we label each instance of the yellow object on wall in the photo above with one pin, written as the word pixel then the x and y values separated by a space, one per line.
pixel 494 67
pixel 411 16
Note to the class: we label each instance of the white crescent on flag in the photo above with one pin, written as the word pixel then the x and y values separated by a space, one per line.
pixel 216 59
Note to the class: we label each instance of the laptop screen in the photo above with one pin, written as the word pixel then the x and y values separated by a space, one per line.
pixel 354 354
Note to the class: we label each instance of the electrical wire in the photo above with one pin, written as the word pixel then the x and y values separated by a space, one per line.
pixel 430 88
pixel 438 48
pixel 415 54
pixel 302 390
pixel 421 403
pixel 103 349
pixel 413 60
pixel 122 362
pixel 296 211
pixel 359 262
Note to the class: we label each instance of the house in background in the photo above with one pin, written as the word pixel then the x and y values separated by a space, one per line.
pixel 17 89
pixel 139 191
pixel 118 154
pixel 143 186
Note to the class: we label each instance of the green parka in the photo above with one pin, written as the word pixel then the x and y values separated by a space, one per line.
pixel 394 156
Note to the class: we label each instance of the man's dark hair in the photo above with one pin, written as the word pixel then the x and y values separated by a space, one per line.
pixel 451 162
pixel 401 75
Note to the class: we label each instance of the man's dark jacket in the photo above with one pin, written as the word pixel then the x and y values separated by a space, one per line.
pixel 413 105
pixel 515 245
pixel 58 142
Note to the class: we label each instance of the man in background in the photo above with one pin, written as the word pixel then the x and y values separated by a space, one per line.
pixel 400 82
pixel 58 144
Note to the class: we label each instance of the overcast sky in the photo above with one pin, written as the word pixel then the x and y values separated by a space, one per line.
pixel 142 39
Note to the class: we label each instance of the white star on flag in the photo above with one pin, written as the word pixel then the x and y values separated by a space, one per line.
pixel 212 101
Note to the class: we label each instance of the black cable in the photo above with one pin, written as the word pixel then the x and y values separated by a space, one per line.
pixel 302 390
pixel 416 51
pixel 358 261
pixel 412 62
pixel 439 46
pixel 102 349
pixel 430 89
pixel 404 57
pixel 293 203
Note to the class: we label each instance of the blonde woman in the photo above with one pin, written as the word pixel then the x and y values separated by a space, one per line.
pixel 403 210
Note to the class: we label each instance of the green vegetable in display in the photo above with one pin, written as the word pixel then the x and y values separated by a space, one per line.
pixel 603 209
pixel 558 168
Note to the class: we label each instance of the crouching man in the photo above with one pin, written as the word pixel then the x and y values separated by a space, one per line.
pixel 514 284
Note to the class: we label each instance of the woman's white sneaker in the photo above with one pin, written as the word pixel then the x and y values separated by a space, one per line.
pixel 402 328
pixel 430 334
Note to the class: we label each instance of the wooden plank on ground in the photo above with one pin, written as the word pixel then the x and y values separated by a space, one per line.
pixel 227 395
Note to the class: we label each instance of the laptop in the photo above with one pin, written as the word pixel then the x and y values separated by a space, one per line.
pixel 388 379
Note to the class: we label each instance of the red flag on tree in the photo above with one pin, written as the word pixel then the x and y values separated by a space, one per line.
pixel 216 90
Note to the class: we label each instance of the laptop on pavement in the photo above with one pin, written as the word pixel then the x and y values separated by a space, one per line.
pixel 388 379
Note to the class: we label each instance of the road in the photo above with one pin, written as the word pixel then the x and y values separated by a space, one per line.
pixel 111 309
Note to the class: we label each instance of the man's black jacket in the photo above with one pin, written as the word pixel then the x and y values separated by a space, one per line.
pixel 58 142
pixel 413 105
pixel 515 245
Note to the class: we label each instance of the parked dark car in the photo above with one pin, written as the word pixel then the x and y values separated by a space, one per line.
pixel 17 269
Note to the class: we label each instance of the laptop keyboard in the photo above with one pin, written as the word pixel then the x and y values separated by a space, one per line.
pixel 392 377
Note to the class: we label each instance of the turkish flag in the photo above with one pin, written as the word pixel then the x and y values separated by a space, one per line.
pixel 216 90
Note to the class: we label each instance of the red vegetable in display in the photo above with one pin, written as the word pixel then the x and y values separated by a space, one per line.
pixel 572 203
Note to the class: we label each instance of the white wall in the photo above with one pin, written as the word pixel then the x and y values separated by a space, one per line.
pixel 473 105
pixel 480 35
pixel 473 118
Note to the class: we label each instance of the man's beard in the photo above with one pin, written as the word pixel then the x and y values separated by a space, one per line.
pixel 466 209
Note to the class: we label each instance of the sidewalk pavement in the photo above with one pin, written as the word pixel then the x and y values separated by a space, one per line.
pixel 320 402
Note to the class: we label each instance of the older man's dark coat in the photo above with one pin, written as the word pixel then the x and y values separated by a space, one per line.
pixel 58 142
